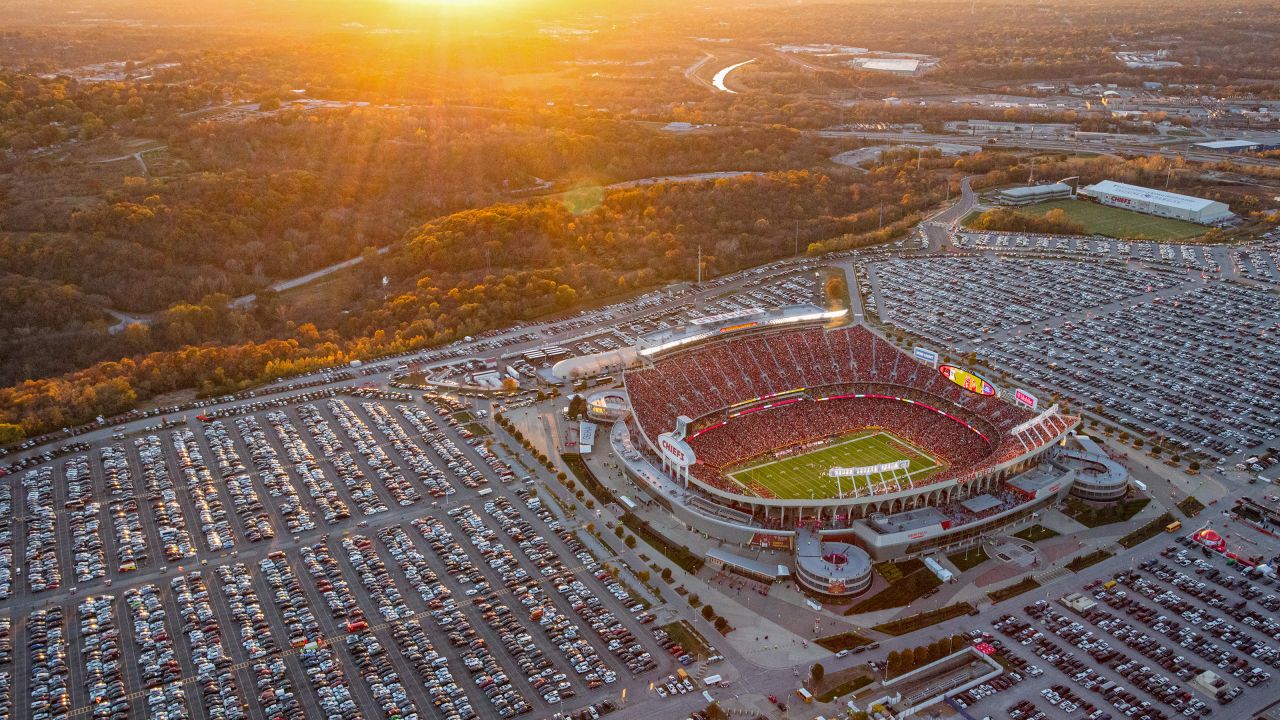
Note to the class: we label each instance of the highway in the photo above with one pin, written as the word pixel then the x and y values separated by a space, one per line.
pixel 1065 145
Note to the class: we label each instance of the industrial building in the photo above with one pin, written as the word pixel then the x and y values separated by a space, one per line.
pixel 1031 194
pixel 1160 203
pixel 1228 145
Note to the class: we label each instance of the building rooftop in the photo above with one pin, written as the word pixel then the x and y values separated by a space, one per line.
pixel 910 520
pixel 1032 190
pixel 1226 144
pixel 773 570
pixel 1136 192
pixel 980 503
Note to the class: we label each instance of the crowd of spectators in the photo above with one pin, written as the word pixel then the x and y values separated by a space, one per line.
pixel 709 378
pixel 715 383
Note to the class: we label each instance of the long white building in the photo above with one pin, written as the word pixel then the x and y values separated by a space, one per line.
pixel 1158 202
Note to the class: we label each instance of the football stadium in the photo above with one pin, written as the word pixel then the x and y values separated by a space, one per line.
pixel 774 429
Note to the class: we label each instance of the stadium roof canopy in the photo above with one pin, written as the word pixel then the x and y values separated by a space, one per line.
pixel 725 323
pixel 772 570
pixel 980 503
pixel 1151 195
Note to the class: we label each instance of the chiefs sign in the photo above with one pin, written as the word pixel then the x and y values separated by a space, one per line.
pixel 676 451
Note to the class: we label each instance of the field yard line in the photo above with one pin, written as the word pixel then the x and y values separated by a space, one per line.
pixel 846 441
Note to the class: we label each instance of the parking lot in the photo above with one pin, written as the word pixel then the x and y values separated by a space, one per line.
pixel 350 556
pixel 1181 634
pixel 1162 354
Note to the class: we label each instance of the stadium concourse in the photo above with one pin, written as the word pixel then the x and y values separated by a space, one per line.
pixel 735 433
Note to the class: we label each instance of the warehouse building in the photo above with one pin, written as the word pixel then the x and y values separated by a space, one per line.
pixel 1031 194
pixel 1232 146
pixel 1158 202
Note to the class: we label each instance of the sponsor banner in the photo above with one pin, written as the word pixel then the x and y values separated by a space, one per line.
pixel 868 469
pixel 967 380
pixel 776 542
pixel 926 355
pixel 1025 398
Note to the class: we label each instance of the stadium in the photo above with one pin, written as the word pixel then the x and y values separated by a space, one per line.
pixel 773 430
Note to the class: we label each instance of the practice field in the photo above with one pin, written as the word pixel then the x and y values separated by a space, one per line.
pixel 805 475
pixel 1117 223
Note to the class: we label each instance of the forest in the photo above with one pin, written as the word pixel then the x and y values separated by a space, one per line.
pixel 164 161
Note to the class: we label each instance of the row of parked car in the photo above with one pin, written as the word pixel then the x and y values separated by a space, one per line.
pixel 100 652
pixel 235 476
pixel 319 487
pixel 87 551
pixel 370 658
pixel 271 473
pixel 157 656
pixel 1165 689
pixel 275 691
pixel 126 517
pixel 490 677
pixel 6 540
pixel 454 458
pixel 428 473
pixel 202 491
pixel 215 680
pixel 559 628
pixel 47 650
pixel 319 663
pixel 447 695
pixel 358 486
pixel 175 540
pixel 387 472
pixel 42 568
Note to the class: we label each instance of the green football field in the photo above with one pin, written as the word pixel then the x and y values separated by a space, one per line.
pixel 1118 223
pixel 805 475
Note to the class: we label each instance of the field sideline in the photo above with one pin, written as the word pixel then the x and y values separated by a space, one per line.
pixel 805 475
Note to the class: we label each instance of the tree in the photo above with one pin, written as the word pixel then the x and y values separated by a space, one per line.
pixel 817 672
pixel 666 572
pixel 630 542
pixel 893 663
pixel 591 528
pixel 577 406
pixel 1193 466
pixel 510 384
pixel 10 433
pixel 708 612
pixel 619 531
pixel 643 576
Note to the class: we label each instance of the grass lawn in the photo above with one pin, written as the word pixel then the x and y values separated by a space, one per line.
pixel 859 680
pixel 477 429
pixel 970 558
pixel 691 640
pixel 1091 516
pixel 1036 533
pixel 1014 590
pixel 910 588
pixel 1146 532
pixel 1191 507
pixel 843 641
pixel 805 476
pixel 1118 223
pixel 905 625
pixel 1085 561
